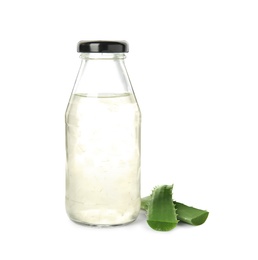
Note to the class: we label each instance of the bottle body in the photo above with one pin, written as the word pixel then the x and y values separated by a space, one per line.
pixel 102 147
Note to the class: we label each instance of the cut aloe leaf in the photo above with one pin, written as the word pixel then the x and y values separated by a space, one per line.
pixel 161 214
pixel 190 215
pixel 145 203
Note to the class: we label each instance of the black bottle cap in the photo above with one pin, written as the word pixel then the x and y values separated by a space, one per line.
pixel 102 46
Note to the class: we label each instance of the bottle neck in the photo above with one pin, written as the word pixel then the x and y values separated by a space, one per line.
pixel 102 73
pixel 102 56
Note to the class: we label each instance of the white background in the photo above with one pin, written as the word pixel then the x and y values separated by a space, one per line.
pixel 194 69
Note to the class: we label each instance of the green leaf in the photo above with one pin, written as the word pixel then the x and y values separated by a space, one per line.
pixel 186 214
pixel 191 215
pixel 161 214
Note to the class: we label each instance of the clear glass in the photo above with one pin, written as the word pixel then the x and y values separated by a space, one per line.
pixel 103 144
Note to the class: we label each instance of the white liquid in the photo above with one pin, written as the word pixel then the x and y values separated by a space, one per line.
pixel 103 159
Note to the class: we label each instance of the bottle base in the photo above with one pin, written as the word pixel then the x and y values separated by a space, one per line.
pixel 110 219
pixel 101 225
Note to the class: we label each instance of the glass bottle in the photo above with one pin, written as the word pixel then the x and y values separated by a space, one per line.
pixel 103 139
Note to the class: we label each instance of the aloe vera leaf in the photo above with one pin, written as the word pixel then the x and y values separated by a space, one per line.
pixel 190 215
pixel 162 216
pixel 145 203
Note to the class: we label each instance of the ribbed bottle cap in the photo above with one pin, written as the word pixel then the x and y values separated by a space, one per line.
pixel 103 46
